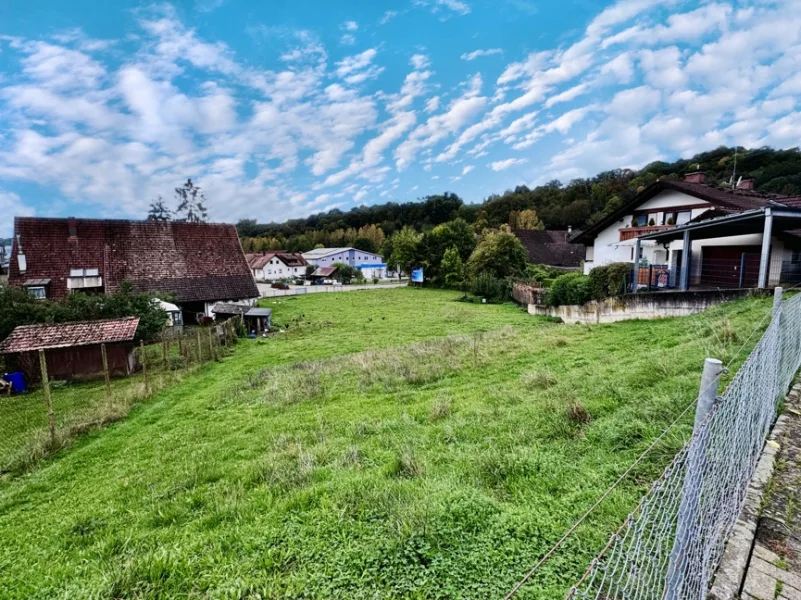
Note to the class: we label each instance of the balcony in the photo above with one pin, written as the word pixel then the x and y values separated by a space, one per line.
pixel 629 233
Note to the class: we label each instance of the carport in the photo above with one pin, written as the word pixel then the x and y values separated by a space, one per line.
pixel 770 222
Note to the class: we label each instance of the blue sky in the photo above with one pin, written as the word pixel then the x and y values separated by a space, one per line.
pixel 281 109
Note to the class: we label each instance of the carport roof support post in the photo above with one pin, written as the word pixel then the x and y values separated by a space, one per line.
pixel 686 255
pixel 764 259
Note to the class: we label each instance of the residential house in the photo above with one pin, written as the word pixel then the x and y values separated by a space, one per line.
pixel 370 264
pixel 649 231
pixel 551 247
pixel 277 264
pixel 72 350
pixel 195 264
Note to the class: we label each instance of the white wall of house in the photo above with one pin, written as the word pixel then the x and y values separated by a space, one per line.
pixel 607 247
pixel 277 269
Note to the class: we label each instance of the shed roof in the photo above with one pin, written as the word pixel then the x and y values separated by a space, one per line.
pixel 26 338
pixel 259 312
pixel 324 271
pixel 225 308
pixel 195 262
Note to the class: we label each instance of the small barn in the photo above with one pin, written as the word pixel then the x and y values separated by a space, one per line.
pixel 73 350
pixel 323 275
pixel 256 319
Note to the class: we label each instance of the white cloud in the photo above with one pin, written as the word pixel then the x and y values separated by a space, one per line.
pixel 359 68
pixel 388 16
pixel 444 7
pixel 11 206
pixel 419 61
pixel 347 39
pixel 478 53
pixel 467 169
pixel 432 104
pixel 350 26
pixel 567 95
pixel 502 165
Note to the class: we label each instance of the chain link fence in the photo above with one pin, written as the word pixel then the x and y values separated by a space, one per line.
pixel 40 422
pixel 670 546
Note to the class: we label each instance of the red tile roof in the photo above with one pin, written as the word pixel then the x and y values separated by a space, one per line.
pixel 193 261
pixel 258 260
pixel 62 335
pixel 550 247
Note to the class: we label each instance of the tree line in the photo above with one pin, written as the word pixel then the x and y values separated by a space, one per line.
pixel 579 203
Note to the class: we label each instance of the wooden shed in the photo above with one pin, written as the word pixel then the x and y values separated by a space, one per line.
pixel 73 350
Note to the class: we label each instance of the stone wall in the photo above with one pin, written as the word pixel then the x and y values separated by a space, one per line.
pixel 638 306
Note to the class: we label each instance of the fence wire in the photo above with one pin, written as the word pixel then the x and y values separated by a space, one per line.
pixel 670 546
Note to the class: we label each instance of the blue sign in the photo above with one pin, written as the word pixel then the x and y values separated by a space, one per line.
pixel 417 275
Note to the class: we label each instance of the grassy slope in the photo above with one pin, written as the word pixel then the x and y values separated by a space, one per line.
pixel 380 479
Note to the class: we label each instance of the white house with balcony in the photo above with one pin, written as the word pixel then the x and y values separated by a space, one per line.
pixel 650 231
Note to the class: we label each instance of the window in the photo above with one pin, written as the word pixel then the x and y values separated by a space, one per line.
pixel 641 220
pixel 677 217
pixel 38 292
pixel 84 272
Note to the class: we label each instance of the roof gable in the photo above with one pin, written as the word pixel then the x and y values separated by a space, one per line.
pixel 736 200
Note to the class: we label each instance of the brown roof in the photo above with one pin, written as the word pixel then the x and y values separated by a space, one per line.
pixel 193 261
pixel 261 259
pixel 26 338
pixel 324 272
pixel 736 200
pixel 550 248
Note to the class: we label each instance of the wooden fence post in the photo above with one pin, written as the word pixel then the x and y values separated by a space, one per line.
pixel 51 422
pixel 106 373
pixel 144 365
pixel 199 348
pixel 165 352
pixel 211 343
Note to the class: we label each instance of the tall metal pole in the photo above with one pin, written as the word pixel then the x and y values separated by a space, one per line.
pixel 687 526
pixel 635 280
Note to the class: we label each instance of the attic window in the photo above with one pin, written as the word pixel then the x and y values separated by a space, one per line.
pixel 84 272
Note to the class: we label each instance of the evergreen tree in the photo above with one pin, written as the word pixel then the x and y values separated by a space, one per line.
pixel 191 203
pixel 159 211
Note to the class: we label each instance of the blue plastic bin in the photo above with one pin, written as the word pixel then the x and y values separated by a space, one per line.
pixel 17 381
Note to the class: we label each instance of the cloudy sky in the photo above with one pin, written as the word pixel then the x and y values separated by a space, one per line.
pixel 284 108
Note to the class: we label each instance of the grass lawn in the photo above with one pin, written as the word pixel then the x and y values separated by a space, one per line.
pixel 389 444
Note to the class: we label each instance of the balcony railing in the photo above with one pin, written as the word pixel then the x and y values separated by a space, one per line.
pixel 629 233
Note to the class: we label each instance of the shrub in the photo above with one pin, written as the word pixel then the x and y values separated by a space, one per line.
pixel 570 288
pixel 651 223
pixel 670 221
pixel 500 254
pixel 495 290
pixel 609 280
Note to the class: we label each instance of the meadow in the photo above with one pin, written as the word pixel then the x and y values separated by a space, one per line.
pixel 388 444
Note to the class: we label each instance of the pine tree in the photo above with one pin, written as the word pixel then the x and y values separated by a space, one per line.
pixel 191 203
pixel 159 211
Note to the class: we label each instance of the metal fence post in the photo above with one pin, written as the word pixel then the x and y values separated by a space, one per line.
pixel 143 356
pixel 687 525
pixel 51 421
pixel 775 321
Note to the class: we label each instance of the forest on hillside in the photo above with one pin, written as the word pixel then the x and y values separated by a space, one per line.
pixel 578 203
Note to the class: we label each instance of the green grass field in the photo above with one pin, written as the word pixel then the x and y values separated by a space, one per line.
pixel 389 444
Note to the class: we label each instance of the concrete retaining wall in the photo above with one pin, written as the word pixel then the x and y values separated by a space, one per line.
pixel 638 306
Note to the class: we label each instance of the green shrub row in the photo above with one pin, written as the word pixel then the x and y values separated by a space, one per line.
pixel 609 280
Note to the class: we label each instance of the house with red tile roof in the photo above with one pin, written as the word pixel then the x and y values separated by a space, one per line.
pixel 649 232
pixel 274 265
pixel 195 265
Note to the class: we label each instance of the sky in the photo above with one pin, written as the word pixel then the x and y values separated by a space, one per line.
pixel 279 109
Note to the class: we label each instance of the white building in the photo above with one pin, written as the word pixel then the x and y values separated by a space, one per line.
pixel 653 225
pixel 371 265
pixel 276 265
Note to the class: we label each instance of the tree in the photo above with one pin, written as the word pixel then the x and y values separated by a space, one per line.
pixel 500 254
pixel 191 202
pixel 433 245
pixel 365 244
pixel 159 211
pixel 405 245
pixel 451 269
pixel 528 219
pixel 346 273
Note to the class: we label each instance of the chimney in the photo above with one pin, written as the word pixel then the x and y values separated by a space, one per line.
pixel 71 225
pixel 746 184
pixel 695 177
pixel 22 262
pixel 569 233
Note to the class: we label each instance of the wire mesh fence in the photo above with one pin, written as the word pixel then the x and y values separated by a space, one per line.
pixel 46 418
pixel 671 545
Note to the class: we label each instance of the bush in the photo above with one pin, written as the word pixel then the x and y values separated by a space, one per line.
pixel 570 288
pixel 609 280
pixel 494 289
